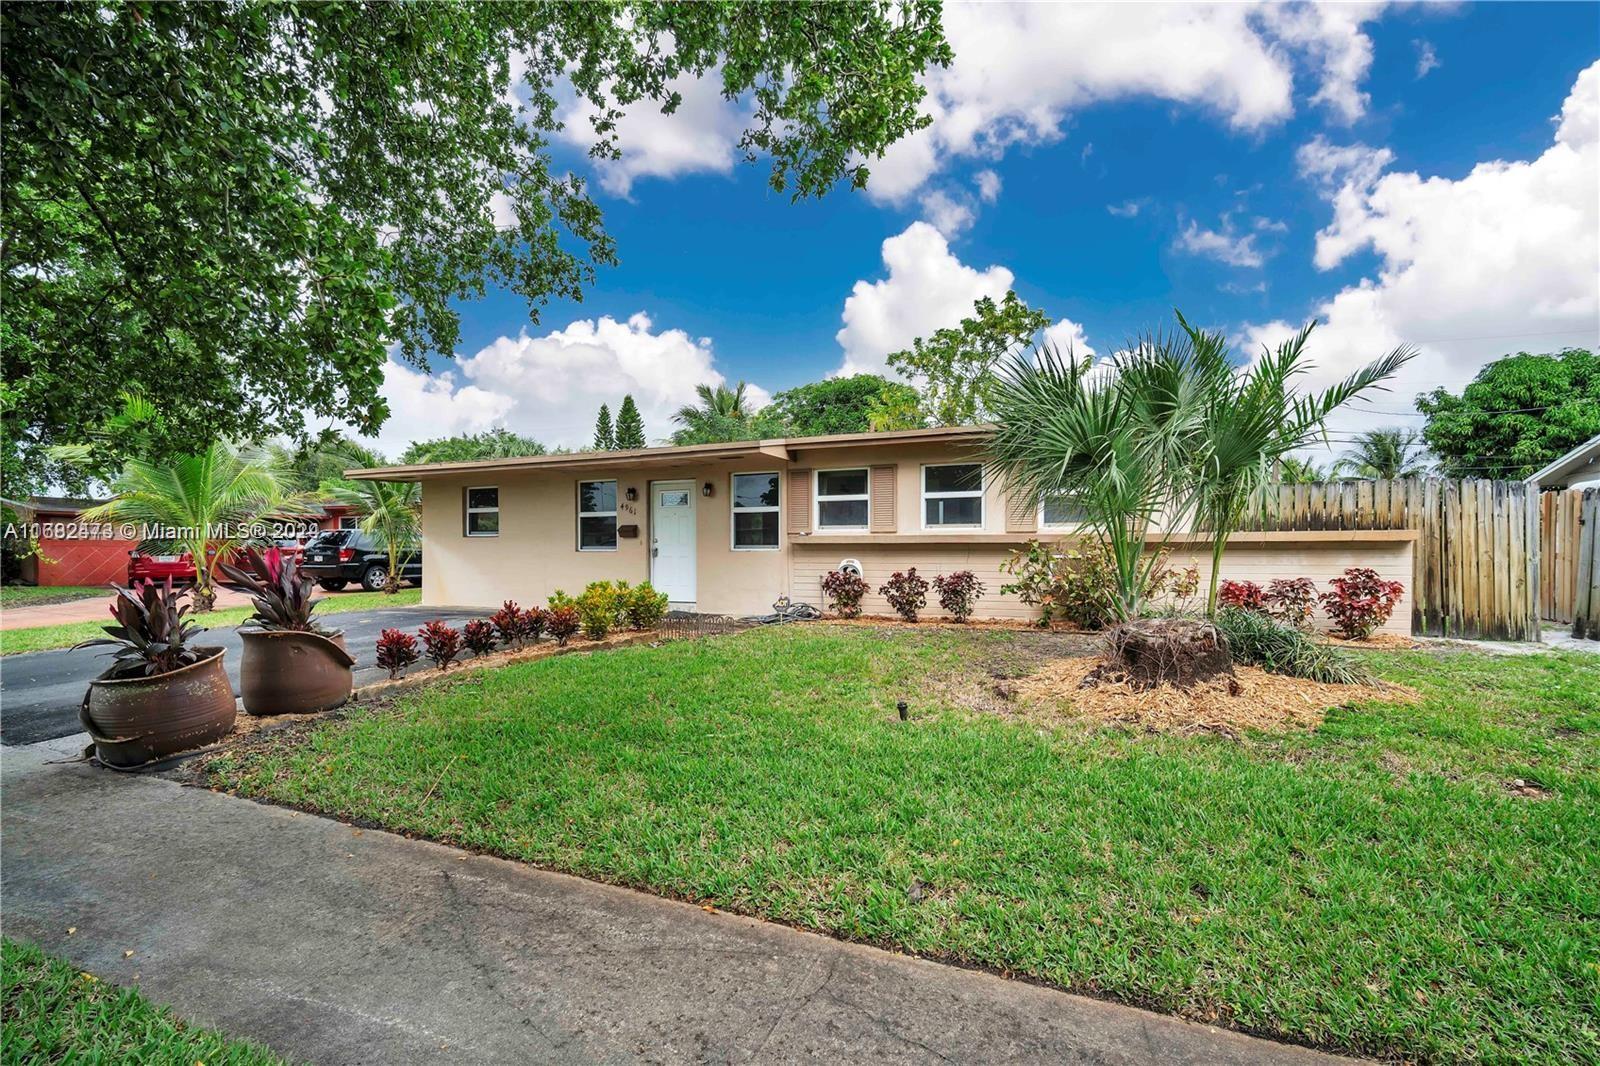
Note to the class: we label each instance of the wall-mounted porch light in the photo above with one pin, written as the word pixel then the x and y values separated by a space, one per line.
pixel 707 489
pixel 632 493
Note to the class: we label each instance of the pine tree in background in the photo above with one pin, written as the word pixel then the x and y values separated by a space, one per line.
pixel 630 426
pixel 605 439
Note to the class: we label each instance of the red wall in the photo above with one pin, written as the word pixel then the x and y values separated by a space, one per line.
pixel 84 562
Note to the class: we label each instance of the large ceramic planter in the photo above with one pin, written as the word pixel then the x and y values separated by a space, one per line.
pixel 136 720
pixel 286 672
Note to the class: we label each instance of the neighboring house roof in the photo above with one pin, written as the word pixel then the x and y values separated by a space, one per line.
pixel 783 449
pixel 55 504
pixel 1580 464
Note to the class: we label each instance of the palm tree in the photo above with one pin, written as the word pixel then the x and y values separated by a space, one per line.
pixel 391 513
pixel 1385 453
pixel 1253 418
pixel 1111 439
pixel 211 504
pixel 721 415
pixel 1293 471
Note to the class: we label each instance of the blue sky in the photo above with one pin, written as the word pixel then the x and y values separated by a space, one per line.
pixel 1253 167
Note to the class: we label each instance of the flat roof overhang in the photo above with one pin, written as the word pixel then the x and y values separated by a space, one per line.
pixel 781 450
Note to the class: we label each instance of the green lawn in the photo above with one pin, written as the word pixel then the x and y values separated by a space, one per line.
pixel 42 638
pixel 1373 886
pixel 55 1013
pixel 35 596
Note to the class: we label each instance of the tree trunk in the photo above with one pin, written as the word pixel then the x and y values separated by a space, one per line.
pixel 1165 651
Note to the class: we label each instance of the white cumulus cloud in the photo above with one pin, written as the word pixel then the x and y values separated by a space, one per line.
pixel 926 289
pixel 1223 244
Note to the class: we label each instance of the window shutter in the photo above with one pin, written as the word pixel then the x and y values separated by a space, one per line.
pixel 881 489
pixel 1022 516
pixel 799 501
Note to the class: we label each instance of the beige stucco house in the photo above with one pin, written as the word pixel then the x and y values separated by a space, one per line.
pixel 728 528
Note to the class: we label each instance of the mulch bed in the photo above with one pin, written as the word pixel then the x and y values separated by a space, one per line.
pixel 1265 702
pixel 1376 642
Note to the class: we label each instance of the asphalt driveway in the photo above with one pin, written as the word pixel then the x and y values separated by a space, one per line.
pixel 40 691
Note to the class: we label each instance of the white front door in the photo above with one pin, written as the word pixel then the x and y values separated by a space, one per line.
pixel 672 540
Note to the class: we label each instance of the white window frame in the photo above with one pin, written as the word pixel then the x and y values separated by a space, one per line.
pixel 577 529
pixel 981 493
pixel 466 520
pixel 354 521
pixel 1057 527
pixel 734 510
pixel 817 498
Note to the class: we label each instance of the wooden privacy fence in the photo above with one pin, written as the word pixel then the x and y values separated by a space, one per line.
pixel 1475 571
pixel 1586 591
pixel 1560 529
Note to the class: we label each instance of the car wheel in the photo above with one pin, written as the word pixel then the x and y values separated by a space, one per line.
pixel 373 578
pixel 330 585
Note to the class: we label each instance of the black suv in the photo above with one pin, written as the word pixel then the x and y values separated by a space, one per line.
pixel 336 557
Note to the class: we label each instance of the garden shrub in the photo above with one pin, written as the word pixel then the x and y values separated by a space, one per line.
pixel 507 621
pixel 844 591
pixel 1078 586
pixel 396 651
pixel 530 623
pixel 644 606
pixel 441 643
pixel 602 607
pixel 1254 639
pixel 958 593
pixel 1245 595
pixel 561 621
pixel 906 592
pixel 1292 600
pixel 1361 601
pixel 479 636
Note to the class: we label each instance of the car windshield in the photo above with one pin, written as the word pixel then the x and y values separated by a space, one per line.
pixel 330 539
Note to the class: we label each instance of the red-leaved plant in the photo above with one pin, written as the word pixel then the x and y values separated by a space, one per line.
pixel 397 650
pixel 531 623
pixel 279 592
pixel 844 590
pixel 561 622
pixel 906 592
pixel 1245 595
pixel 151 635
pixel 1292 600
pixel 441 643
pixel 507 621
pixel 1361 601
pixel 958 593
pixel 479 636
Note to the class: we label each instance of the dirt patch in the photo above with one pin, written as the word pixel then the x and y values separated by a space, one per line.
pixel 1376 642
pixel 1265 702
pixel 886 621
pixel 1527 789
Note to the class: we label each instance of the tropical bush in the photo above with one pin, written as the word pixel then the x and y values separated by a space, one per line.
pixel 958 593
pixel 1078 586
pixel 906 592
pixel 479 636
pixel 280 593
pixel 561 621
pixel 1255 639
pixel 530 623
pixel 1361 601
pixel 1292 600
pixel 151 635
pixel 644 606
pixel 1245 595
pixel 844 590
pixel 397 650
pixel 507 621
pixel 441 643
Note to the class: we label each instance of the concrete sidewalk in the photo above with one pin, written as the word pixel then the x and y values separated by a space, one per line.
pixel 335 945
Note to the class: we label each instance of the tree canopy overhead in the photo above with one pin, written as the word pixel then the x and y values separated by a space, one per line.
pixel 955 368
pixel 1520 413
pixel 238 208
pixel 835 405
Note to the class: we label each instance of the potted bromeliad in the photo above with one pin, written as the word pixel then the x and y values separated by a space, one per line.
pixel 162 694
pixel 291 664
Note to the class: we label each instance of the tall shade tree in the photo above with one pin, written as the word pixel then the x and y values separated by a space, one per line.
pixel 1111 439
pixel 836 405
pixel 630 425
pixel 391 512
pixel 210 501
pixel 237 208
pixel 954 368
pixel 1252 419
pixel 1384 453
pixel 722 414
pixel 605 436
pixel 497 443
pixel 1520 413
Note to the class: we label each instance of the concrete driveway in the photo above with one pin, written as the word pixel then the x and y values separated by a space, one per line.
pixel 40 691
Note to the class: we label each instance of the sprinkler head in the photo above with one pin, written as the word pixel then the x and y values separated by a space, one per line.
pixel 901 707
